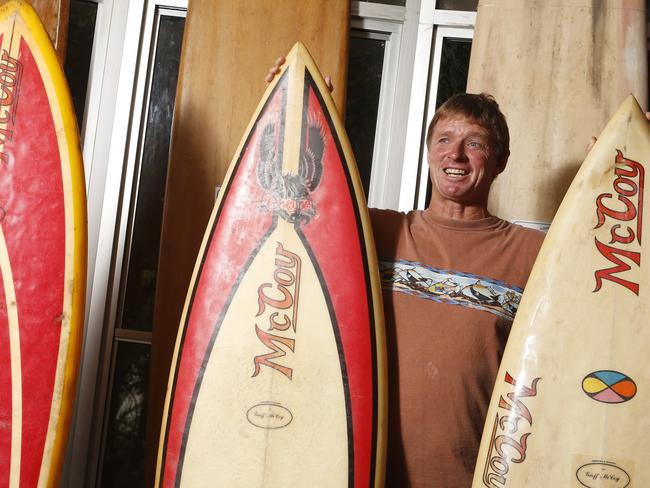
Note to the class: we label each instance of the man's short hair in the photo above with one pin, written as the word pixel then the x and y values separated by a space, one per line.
pixel 481 109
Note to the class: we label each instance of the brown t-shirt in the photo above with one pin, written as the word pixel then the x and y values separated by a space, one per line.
pixel 451 289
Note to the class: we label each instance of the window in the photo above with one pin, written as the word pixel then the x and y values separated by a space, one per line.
pixel 142 85
pixel 122 449
pixel 399 55
pixel 81 30
pixel 442 61
pixel 385 34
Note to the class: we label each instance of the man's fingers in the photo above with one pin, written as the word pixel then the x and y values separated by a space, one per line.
pixel 275 69
pixel 328 82
pixel 592 141
pixel 271 74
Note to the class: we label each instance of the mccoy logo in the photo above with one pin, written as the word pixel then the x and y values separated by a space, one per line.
pixel 10 76
pixel 509 439
pixel 278 305
pixel 623 214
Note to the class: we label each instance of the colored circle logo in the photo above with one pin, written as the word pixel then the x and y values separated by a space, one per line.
pixel 609 386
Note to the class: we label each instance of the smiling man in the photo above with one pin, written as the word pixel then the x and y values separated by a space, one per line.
pixel 452 277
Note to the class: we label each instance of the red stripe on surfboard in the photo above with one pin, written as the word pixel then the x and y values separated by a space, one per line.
pixel 240 228
pixel 31 193
pixel 342 265
pixel 5 391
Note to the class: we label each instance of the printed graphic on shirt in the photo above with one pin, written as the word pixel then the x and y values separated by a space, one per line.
pixel 453 287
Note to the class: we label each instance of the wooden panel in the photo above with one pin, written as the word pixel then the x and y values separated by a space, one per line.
pixel 559 70
pixel 54 15
pixel 228 48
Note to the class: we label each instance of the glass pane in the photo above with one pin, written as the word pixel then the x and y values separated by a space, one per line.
pixel 145 242
pixel 81 31
pixel 454 65
pixel 402 3
pixel 123 463
pixel 364 85
pixel 467 5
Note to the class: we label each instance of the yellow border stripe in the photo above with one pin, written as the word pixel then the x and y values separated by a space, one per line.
pixel 75 247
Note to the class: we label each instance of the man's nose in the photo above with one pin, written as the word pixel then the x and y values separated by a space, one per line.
pixel 457 150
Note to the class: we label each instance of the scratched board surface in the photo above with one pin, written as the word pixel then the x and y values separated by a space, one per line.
pixel 278 376
pixel 571 401
pixel 42 253
pixel 559 69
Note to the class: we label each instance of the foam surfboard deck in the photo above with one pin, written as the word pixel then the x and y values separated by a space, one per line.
pixel 279 371
pixel 42 252
pixel 558 69
pixel 571 400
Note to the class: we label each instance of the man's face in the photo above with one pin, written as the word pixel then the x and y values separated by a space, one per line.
pixel 461 161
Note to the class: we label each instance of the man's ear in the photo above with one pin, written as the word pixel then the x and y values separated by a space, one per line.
pixel 502 165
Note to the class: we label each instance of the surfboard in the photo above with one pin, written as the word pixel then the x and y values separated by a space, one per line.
pixel 571 400
pixel 42 252
pixel 222 54
pixel 279 372
pixel 558 70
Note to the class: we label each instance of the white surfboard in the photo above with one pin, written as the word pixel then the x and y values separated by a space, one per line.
pixel 571 400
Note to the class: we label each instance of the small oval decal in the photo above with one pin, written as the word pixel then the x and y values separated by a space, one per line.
pixel 269 415
pixel 608 386
pixel 602 475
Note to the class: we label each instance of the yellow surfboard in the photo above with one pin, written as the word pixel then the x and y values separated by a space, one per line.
pixel 571 401
pixel 42 252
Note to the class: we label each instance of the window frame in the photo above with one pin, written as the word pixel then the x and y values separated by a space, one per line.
pixel 112 138
pixel 434 27
pixel 399 24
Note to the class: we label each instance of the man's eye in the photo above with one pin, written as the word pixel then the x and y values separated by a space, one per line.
pixel 443 140
pixel 475 145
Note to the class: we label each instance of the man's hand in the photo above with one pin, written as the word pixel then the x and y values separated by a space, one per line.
pixel 593 139
pixel 275 70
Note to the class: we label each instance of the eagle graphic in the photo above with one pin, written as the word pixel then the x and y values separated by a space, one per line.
pixel 290 193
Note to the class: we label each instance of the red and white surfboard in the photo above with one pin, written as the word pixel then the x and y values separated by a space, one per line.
pixel 42 252
pixel 279 370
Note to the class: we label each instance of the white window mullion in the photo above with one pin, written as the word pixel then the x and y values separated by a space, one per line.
pixel 389 32
pixel 386 192
pixel 428 54
pixel 104 136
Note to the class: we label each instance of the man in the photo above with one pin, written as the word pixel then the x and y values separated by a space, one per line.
pixel 452 276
